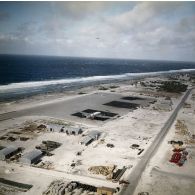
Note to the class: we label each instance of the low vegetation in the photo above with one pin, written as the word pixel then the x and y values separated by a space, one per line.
pixel 103 88
pixel 173 86
pixel 114 86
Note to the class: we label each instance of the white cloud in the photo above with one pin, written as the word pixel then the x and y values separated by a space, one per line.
pixel 145 30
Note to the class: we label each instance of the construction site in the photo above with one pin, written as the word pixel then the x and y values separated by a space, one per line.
pixel 90 143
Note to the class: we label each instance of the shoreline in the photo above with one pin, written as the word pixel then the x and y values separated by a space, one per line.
pixel 57 96
pixel 18 91
pixel 76 91
pixel 113 86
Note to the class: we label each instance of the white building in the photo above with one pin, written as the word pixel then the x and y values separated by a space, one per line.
pixel 55 128
pixel 90 137
pixel 94 134
pixel 31 157
pixel 7 152
pixel 73 131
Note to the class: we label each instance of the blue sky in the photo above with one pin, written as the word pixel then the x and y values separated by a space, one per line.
pixel 141 30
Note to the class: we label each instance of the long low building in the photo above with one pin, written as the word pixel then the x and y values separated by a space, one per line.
pixel 94 134
pixel 55 128
pixel 63 129
pixel 31 157
pixel 73 131
pixel 90 137
pixel 7 152
pixel 86 140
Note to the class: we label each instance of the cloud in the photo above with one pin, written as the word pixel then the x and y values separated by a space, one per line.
pixel 147 28
pixel 80 9
pixel 144 15
pixel 155 30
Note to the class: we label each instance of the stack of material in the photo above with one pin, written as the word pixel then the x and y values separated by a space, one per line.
pixel 143 193
pixel 56 188
pixel 192 139
pixel 105 190
pixel 42 126
pixel 59 187
pixel 110 145
pixel 181 128
pixel 186 105
pixel 193 97
pixel 48 146
pixel 179 157
pixel 103 170
pixel 46 165
pixel 134 146
pixel 118 174
pixel 30 127
pixel 77 188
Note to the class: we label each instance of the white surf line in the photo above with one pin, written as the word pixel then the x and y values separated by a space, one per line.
pixel 23 85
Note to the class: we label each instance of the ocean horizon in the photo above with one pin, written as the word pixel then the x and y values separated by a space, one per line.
pixel 24 75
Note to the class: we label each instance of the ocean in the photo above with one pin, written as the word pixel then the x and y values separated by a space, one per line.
pixel 24 76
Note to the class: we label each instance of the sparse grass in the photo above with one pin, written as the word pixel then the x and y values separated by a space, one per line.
pixel 55 121
pixel 82 93
pixel 114 86
pixel 103 88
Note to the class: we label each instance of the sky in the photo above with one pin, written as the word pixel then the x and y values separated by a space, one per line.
pixel 133 30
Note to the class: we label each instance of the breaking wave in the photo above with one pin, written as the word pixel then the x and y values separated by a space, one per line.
pixel 36 84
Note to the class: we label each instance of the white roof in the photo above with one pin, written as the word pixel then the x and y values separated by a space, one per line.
pixel 55 127
pixel 94 133
pixel 75 129
pixel 86 139
pixel 32 154
pixel 8 150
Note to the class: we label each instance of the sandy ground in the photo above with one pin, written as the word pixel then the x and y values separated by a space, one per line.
pixel 132 127
pixel 162 177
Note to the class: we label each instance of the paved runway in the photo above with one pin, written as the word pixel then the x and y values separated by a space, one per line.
pixel 64 109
